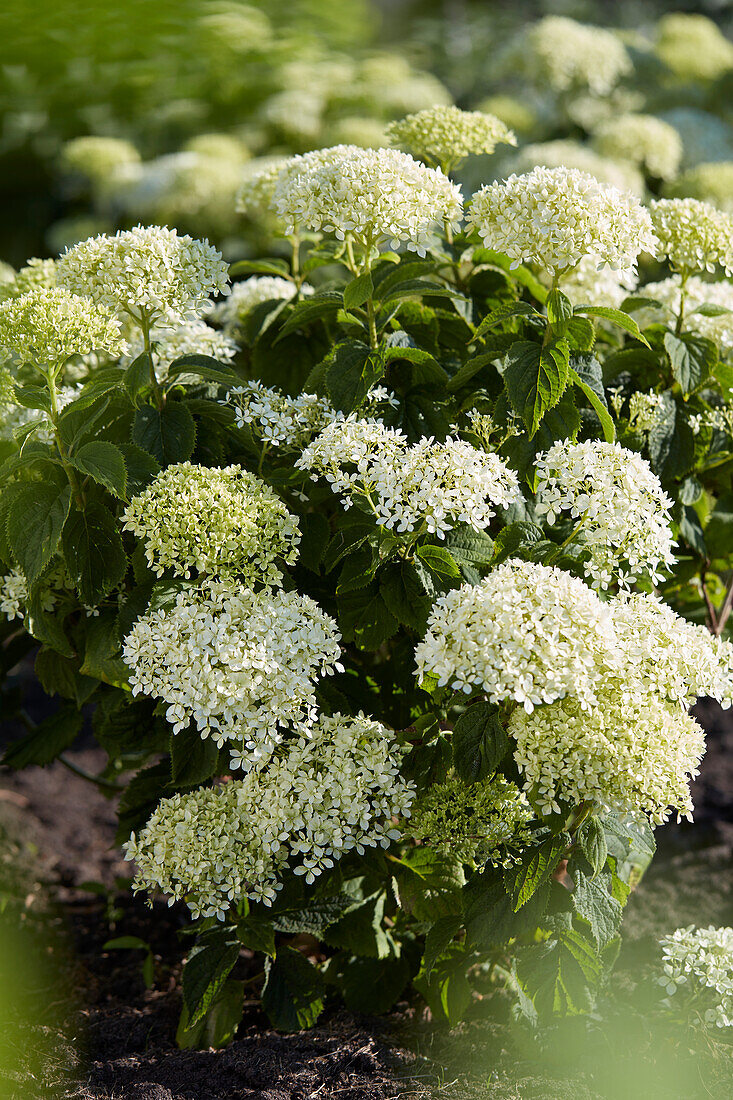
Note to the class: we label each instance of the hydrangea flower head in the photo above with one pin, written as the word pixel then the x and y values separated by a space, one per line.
pixel 257 187
pixel 278 419
pixel 151 271
pixel 586 285
pixel 444 136
pixel 528 632
pixel 710 182
pixel 47 326
pixel 98 158
pixel 556 217
pixel 250 293
pixel 35 275
pixel 238 663
pixel 220 522
pixel 373 195
pixel 193 337
pixel 698 292
pixel 692 235
pixel 697 969
pixel 624 512
pixel 564 153
pixel 642 139
pixel 569 55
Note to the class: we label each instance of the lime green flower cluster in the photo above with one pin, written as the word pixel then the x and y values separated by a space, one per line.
pixel 443 136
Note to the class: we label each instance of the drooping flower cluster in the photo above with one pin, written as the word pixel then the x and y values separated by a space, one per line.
pixel 481 823
pixel 248 294
pixel 151 271
pixel 437 485
pixel 220 522
pixel 193 337
pixel 623 512
pixel 444 136
pixel 35 275
pixel 46 327
pixel 569 55
pixel 628 753
pixel 373 195
pixel 698 292
pixel 527 632
pixel 319 797
pixel 642 139
pixel 238 663
pixel 556 217
pixel 692 235
pixel 278 419
pixel 697 968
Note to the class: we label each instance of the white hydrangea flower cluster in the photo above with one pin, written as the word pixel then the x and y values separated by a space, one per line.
pixel 563 153
pixel 586 285
pixel 238 663
pixel 14 592
pixel 373 195
pixel 719 418
pixel 697 963
pixel 645 410
pixel 98 158
pixel 644 140
pixel 692 235
pixel 193 337
pixel 710 182
pixel 35 275
pixel 623 511
pixel 319 797
pixel 528 632
pixel 628 753
pixel 46 326
pixel 249 294
pixel 220 522
pixel 427 485
pixel 443 136
pixel 698 292
pixel 277 418
pixel 569 55
pixel 556 217
pixel 151 271
pixel 16 420
pixel 693 47
pixel 257 188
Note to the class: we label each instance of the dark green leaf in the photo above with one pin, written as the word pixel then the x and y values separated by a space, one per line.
pixel 168 434
pixel 218 1026
pixel 439 561
pixel 617 317
pixel 428 883
pixel 480 742
pixel 693 358
pixel 259 267
pixel 324 304
pixel 671 441
pixel 257 934
pixel 141 467
pixel 35 520
pixel 370 985
pixel 535 378
pixel 315 536
pixel 559 311
pixel 535 868
pixel 505 313
pixel 358 290
pixel 194 759
pixel 365 618
pixel 591 839
pixel 293 994
pixel 93 551
pixel 360 930
pixel 598 405
pixel 46 741
pixel 353 368
pixel 104 463
pixel 594 902
pixel 357 570
pixel 207 968
pixel 404 595
pixel 438 939
pixel 138 375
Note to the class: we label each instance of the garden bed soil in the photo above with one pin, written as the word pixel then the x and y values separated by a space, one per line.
pixel 87 1028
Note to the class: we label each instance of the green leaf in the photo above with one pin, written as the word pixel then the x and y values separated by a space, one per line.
pixel 439 561
pixel 360 930
pixel 358 290
pixel 480 742
pixel 719 528
pixel 33 397
pixel 46 741
pixel 319 306
pixel 141 467
pixel 194 759
pixel 353 368
pixel 470 549
pixel 598 405
pixel 404 595
pixel 207 968
pixel 591 839
pixel 93 551
pixel 369 985
pixel 168 434
pixel 346 540
pixel 138 376
pixel 618 317
pixel 428 883
pixel 671 441
pixel 60 675
pixel 35 520
pixel 535 868
pixel 561 975
pixel 140 798
pixel 447 989
pixel 315 536
pixel 365 618
pixel 505 313
pixel 559 311
pixel 490 915
pixel 439 937
pixel 46 626
pixel 259 267
pixel 535 379
pixel 594 902
pixel 693 358
pixel 293 994
pixel 357 570
pixel 418 288
pixel 217 1027
pixel 257 934
pixel 104 463
pixel 204 366
pixel 515 538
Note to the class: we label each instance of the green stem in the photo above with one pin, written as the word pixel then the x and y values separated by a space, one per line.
pixel 295 242
pixel 69 470
pixel 106 784
pixel 263 452
pixel 371 315
pixel 157 392
pixel 350 255
pixel 556 553
pixel 684 276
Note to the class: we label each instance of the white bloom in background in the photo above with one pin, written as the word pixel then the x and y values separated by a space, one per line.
pixel 193 337
pixel 622 754
pixel 297 113
pixel 692 235
pixel 624 512
pixel 645 410
pixel 710 182
pixel 35 275
pixel 705 137
pixel 437 485
pixel 527 632
pixel 644 140
pixel 277 418
pixel 563 153
pixel 585 285
pixel 47 326
pixel 697 970
pixel 151 271
pixel 221 522
pixel 698 292
pixel 317 799
pixel 98 158
pixel 256 190
pixel 16 420
pixel 374 195
pixel 249 294
pixel 556 217
pixel 238 663
pixel 444 136
pixel 693 47
pixel 569 55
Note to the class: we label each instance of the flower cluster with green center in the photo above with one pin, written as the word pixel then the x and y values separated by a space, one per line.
pixel 372 195
pixel 220 522
pixel 47 326
pixel 556 217
pixel 319 797
pixel 623 514
pixel 697 972
pixel 443 136
pixel 692 235
pixel 149 271
pixel 238 663
pixel 428 484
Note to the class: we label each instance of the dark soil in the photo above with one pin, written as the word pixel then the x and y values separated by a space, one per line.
pixel 81 1024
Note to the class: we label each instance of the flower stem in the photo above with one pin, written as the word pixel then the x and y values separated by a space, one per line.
pixel 157 392
pixel 69 470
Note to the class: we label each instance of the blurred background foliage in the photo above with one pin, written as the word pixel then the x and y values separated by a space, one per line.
pixel 192 92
